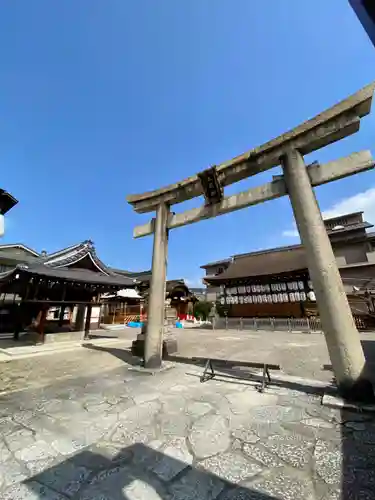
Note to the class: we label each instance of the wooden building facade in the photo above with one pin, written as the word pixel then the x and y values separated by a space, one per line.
pixel 65 287
pixel 276 282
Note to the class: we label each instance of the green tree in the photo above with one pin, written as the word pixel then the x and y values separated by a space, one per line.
pixel 202 309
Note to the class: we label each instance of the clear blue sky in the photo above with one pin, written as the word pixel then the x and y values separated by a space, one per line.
pixel 103 98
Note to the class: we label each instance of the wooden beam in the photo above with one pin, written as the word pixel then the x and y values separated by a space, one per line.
pixel 319 174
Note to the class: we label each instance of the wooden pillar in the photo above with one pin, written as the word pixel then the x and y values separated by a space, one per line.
pixel 18 322
pixel 42 322
pixel 61 316
pixel 80 318
pixel 62 308
pixel 88 321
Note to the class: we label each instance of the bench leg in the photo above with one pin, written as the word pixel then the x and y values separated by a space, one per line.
pixel 268 374
pixel 266 378
pixel 205 375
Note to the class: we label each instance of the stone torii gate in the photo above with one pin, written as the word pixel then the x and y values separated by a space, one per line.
pixel 297 181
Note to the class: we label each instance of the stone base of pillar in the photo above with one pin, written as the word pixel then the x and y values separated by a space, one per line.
pixel 361 392
pixel 138 346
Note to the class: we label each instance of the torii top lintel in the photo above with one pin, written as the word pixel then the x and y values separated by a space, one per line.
pixel 335 123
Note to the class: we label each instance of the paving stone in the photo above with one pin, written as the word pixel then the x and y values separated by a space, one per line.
pixel 35 467
pixel 317 422
pixel 349 493
pixel 39 450
pixel 276 414
pixel 85 433
pixel 283 486
pixel 173 424
pixel 230 467
pixel 8 426
pixel 126 436
pixel 146 397
pixel 196 485
pixel 328 462
pixel 240 493
pixel 246 434
pixel 144 413
pixel 174 458
pixel 357 426
pixel 292 449
pixel 197 409
pixel 365 436
pixel 66 478
pixel 262 455
pixel 5 454
pixel 120 407
pixel 264 429
pixel 19 439
pixel 139 490
pixel 30 491
pixel 121 483
pixel 66 446
pixel 240 402
pixel 209 435
pixel 358 455
pixel 104 453
pixel 12 472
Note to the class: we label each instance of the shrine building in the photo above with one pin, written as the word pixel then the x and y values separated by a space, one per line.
pixel 276 282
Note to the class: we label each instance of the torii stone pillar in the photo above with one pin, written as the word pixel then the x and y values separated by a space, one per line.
pixel 155 323
pixel 342 337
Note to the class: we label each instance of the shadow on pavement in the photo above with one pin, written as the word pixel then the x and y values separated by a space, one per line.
pixel 134 473
pixel 358 443
pixel 122 354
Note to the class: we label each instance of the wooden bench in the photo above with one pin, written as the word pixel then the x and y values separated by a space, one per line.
pixel 209 372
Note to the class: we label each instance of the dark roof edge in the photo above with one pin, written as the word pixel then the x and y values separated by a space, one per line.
pixel 132 274
pixel 343 215
pixel 65 250
pixel 217 262
pixel 285 248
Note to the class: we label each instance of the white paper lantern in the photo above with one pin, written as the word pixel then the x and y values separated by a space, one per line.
pixel 301 286
pixel 283 287
pixel 311 296
pixel 302 296
pixel 291 297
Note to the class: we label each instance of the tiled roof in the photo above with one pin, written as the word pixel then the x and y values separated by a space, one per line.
pixel 70 275
pixel 138 275
pixel 264 264
pixel 350 227
pixel 20 246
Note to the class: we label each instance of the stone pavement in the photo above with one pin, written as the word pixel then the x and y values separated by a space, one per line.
pixel 124 435
pixel 298 354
